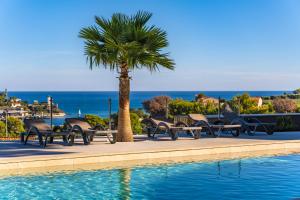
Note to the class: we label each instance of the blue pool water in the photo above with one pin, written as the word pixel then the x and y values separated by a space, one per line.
pixel 255 178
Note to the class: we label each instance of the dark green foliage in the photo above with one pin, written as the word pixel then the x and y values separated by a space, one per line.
pixel 183 107
pixel 246 105
pixel 94 120
pixel 297 91
pixel 135 122
pixel 140 112
pixel 3 101
pixel 57 129
pixel 126 40
pixel 15 125
pixel 2 127
pixel 284 123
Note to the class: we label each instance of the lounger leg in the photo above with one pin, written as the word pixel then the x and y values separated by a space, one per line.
pixel 26 139
pixel 85 139
pixel 196 134
pixel 65 139
pixel 41 140
pixel 45 143
pixel 51 140
pixel 22 137
pixel 91 138
pixel 71 139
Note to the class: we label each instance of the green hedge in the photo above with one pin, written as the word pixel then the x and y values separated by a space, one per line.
pixel 136 124
pixel 93 120
pixel 183 107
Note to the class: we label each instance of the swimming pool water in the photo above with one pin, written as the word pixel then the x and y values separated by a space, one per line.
pixel 255 178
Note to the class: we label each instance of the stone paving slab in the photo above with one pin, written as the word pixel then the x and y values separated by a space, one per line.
pixel 16 156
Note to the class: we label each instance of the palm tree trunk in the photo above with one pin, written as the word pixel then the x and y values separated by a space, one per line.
pixel 124 124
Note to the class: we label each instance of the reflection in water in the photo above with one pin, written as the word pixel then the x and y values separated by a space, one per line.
pixel 239 170
pixel 253 179
pixel 125 177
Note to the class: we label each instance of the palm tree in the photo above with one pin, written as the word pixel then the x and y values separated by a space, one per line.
pixel 124 43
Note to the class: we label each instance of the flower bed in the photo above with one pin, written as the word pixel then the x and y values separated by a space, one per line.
pixel 8 139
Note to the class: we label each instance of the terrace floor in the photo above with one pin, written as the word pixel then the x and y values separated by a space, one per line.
pixel 18 158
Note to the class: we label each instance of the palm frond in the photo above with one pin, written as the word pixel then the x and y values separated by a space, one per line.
pixel 126 39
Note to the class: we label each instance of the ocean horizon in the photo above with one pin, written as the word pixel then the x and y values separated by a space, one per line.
pixel 96 102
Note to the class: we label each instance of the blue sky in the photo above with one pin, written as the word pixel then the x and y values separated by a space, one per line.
pixel 216 44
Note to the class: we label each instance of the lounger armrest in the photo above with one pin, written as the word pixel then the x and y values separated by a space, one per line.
pixel 98 127
pixel 255 120
pixel 238 120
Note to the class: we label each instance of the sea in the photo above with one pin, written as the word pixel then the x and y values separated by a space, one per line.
pixel 96 102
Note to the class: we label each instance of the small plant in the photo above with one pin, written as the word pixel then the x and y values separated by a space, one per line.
pixel 284 123
pixel 284 105
pixel 183 107
pixel 157 106
pixel 2 127
pixel 94 120
pixel 57 129
pixel 136 124
pixel 15 125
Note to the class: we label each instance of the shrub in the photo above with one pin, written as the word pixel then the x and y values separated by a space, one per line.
pixel 57 129
pixel 93 120
pixel 284 123
pixel 246 105
pixel 183 107
pixel 157 105
pixel 2 127
pixel 284 105
pixel 199 97
pixel 136 124
pixel 14 125
pixel 140 112
pixel 297 91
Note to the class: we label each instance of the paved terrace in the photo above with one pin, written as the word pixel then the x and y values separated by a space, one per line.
pixel 17 158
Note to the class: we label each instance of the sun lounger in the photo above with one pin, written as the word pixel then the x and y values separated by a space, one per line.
pixel 87 132
pixel 154 126
pixel 214 129
pixel 250 125
pixel 41 129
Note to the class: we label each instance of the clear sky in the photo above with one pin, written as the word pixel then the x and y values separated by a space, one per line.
pixel 216 44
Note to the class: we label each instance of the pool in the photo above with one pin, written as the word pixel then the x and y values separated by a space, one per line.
pixel 254 178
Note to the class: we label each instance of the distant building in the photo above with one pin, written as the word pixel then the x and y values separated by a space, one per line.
pixel 49 101
pixel 258 101
pixel 206 99
pixel 15 103
pixel 18 113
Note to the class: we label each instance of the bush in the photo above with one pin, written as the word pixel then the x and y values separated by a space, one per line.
pixel 284 105
pixel 140 112
pixel 246 105
pixel 14 125
pixel 156 106
pixel 93 120
pixel 183 107
pixel 136 124
pixel 57 129
pixel 297 91
pixel 284 123
pixel 2 127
